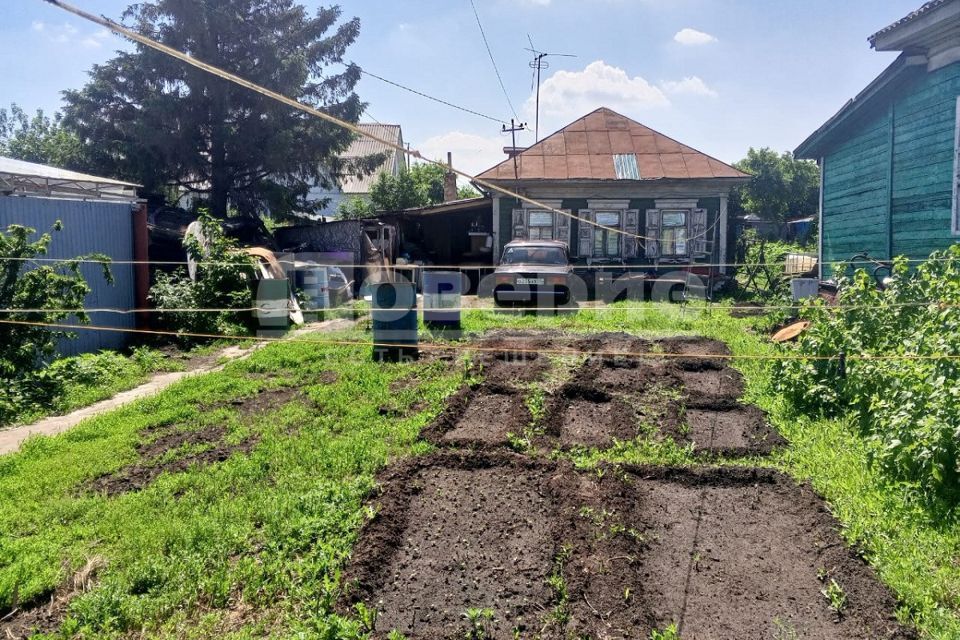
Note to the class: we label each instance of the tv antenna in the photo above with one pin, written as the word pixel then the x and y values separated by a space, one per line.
pixel 538 64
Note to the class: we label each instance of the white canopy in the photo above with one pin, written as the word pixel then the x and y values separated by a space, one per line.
pixel 28 178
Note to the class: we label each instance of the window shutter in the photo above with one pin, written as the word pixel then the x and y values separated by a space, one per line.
pixel 585 234
pixel 631 227
pixel 519 224
pixel 652 243
pixel 698 232
pixel 563 228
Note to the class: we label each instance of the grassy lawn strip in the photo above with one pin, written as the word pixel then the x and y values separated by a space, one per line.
pixel 253 542
pixel 92 377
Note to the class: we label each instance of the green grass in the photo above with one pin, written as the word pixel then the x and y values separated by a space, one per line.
pixel 92 377
pixel 254 546
pixel 264 533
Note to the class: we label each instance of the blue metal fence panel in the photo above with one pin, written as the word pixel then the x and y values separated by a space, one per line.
pixel 88 227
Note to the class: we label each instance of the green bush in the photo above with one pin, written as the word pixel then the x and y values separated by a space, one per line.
pixel 47 292
pixel 224 281
pixel 901 378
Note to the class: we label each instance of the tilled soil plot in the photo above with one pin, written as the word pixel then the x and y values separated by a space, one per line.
pixel 725 554
pixel 456 533
pixel 614 396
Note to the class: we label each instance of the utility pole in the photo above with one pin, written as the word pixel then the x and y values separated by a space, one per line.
pixel 538 64
pixel 512 130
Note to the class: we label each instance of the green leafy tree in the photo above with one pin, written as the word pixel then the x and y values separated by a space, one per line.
pixel 355 208
pixel 152 119
pixel 781 186
pixel 39 139
pixel 464 193
pixel 393 193
pixel 47 292
pixel 419 186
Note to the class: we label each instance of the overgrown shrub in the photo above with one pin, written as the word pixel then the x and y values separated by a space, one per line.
pixel 47 292
pixel 224 280
pixel 902 369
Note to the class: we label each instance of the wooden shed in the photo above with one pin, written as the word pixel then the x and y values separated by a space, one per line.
pixel 890 158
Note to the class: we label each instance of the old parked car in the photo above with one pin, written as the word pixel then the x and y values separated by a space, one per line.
pixel 535 273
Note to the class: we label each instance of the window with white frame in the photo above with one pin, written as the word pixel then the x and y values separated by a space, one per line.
pixel 540 225
pixel 956 174
pixel 673 233
pixel 606 241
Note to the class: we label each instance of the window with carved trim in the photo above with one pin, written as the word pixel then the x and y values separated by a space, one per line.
pixel 673 233
pixel 606 241
pixel 540 225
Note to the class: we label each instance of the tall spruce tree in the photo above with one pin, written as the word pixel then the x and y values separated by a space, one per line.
pixel 152 119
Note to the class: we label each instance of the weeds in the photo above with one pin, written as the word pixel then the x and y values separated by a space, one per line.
pixel 668 633
pixel 477 621
pixel 558 585
pixel 784 630
pixel 836 597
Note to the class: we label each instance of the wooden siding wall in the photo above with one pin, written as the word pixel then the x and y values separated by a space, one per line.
pixel 88 227
pixel 895 167
pixel 574 205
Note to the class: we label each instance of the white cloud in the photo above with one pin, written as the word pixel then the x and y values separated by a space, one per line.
pixel 691 85
pixel 471 153
pixel 66 33
pixel 688 36
pixel 570 94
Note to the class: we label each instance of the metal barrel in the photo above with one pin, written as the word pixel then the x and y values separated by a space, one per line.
pixel 442 292
pixel 394 315
pixel 314 282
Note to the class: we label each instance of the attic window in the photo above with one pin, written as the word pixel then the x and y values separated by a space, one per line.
pixel 626 166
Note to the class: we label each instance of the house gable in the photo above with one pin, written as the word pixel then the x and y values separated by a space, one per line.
pixel 607 146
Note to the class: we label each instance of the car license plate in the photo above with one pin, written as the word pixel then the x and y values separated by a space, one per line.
pixel 529 280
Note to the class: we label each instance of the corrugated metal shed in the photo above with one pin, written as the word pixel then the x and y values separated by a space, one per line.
pixel 88 226
pixel 364 146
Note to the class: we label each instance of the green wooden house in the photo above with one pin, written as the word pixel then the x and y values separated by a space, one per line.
pixel 890 159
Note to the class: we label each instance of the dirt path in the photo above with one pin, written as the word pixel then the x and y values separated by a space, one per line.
pixel 11 439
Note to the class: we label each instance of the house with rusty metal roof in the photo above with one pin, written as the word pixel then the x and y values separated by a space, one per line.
pixel 359 184
pixel 890 158
pixel 633 195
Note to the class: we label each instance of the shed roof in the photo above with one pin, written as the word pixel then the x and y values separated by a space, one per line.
pixel 363 146
pixel 604 145
pixel 30 178
pixel 926 8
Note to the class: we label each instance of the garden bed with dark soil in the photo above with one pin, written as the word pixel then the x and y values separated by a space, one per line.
pixel 725 554
pixel 612 397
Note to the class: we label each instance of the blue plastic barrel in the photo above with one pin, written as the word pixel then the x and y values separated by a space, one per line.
pixel 441 299
pixel 394 321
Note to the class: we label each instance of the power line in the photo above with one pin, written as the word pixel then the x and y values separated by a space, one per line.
pixel 494 62
pixel 425 95
pixel 252 86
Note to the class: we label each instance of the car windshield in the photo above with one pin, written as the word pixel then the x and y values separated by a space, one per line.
pixel 534 255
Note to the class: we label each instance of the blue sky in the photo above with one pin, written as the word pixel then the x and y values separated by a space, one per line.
pixel 718 75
